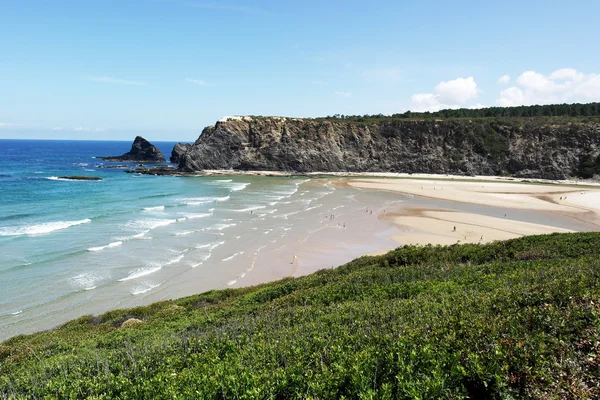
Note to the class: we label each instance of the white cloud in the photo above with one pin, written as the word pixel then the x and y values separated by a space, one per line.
pixel 343 94
pixel 386 76
pixel 504 80
pixel 565 85
pixel 106 79
pixel 197 82
pixel 83 129
pixel 450 94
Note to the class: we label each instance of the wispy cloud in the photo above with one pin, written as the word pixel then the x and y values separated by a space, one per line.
pixel 116 81
pixel 83 129
pixel 13 125
pixel 343 94
pixel 198 82
pixel 233 7
pixel 320 83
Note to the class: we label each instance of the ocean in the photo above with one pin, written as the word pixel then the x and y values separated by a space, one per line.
pixel 71 248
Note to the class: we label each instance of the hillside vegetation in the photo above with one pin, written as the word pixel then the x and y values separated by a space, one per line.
pixel 514 319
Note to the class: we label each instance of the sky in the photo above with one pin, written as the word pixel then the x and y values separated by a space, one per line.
pixel 165 69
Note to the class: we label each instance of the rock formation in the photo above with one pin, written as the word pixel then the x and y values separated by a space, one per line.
pixel 520 147
pixel 178 151
pixel 141 151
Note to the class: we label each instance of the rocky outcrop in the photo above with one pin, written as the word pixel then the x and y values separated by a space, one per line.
pixel 526 147
pixel 178 151
pixel 141 151
pixel 80 178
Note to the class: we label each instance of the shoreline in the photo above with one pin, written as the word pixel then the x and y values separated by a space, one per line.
pixel 392 175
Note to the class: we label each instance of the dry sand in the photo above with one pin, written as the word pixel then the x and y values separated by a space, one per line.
pixel 431 226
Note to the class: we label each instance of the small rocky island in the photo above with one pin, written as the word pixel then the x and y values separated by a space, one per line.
pixel 141 151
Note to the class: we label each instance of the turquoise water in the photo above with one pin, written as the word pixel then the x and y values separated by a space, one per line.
pixel 69 248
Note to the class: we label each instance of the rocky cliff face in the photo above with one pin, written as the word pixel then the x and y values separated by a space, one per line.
pixel 141 151
pixel 178 151
pixel 524 147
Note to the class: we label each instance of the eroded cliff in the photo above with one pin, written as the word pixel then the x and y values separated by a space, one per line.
pixel 526 147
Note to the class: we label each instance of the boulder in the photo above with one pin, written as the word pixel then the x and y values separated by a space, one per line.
pixel 131 322
pixel 141 151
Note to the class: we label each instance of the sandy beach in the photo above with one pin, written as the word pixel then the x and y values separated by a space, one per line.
pixel 440 226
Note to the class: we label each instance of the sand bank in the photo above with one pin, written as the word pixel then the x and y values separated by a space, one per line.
pixel 439 226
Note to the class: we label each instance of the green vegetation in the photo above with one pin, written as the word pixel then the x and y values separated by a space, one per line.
pixel 588 166
pixel 551 110
pixel 514 319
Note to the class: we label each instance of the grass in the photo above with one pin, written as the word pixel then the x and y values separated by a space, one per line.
pixel 514 319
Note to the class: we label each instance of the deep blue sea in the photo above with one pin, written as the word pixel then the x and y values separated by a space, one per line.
pixel 70 248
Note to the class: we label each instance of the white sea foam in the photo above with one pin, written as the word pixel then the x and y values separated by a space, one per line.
pixel 223 180
pixel 196 216
pixel 196 201
pixel 99 248
pixel 239 186
pixel 175 260
pixel 150 224
pixel 154 209
pixel 250 208
pixel 40 229
pixel 143 289
pixel 231 282
pixel 87 280
pixel 184 233
pixel 220 227
pixel 16 312
pixel 138 273
pixel 233 256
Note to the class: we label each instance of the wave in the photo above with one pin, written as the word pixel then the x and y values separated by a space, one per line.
pixel 81 164
pixel 41 229
pixel 87 281
pixel 150 224
pixel 99 248
pixel 143 289
pixel 184 233
pixel 210 246
pixel 14 216
pixel 138 273
pixel 250 208
pixel 196 216
pixel 233 256
pixel 174 260
pixel 159 195
pixel 239 186
pixel 153 209
pixel 136 236
pixel 196 201
pixel 220 227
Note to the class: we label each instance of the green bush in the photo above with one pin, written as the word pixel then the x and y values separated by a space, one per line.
pixel 513 319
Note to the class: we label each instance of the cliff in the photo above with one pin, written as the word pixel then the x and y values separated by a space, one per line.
pixel 141 151
pixel 549 148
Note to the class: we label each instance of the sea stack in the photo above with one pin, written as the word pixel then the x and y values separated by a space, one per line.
pixel 141 151
pixel 178 152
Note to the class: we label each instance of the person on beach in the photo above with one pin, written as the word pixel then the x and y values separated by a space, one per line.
pixel 454 230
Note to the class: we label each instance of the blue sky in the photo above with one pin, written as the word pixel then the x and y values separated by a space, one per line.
pixel 167 68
